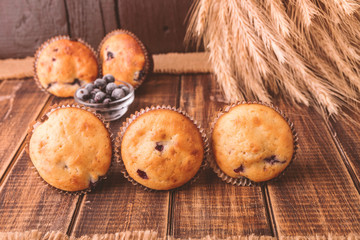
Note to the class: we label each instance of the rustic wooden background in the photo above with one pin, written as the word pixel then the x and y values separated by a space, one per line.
pixel 319 194
pixel 160 24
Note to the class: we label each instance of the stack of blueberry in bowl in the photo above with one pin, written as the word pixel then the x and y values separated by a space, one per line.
pixel 106 97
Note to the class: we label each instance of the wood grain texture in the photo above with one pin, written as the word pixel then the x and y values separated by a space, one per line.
pixel 85 21
pixel 27 203
pixel 109 15
pixel 117 205
pixel 25 25
pixel 347 135
pixel 211 206
pixel 316 195
pixel 158 23
pixel 20 103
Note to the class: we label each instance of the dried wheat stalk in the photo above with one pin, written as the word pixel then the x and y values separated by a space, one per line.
pixel 307 49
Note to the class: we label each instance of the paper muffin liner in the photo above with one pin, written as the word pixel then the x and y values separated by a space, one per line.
pixel 149 63
pixel 45 44
pixel 127 123
pixel 37 123
pixel 243 181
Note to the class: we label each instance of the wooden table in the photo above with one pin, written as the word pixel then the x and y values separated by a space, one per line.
pixel 319 193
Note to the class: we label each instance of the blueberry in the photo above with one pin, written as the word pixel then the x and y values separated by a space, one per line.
pixel 89 87
pixel 107 101
pixel 142 174
pixel 76 82
pixel 118 93
pixel 109 78
pixel 109 55
pixel 124 88
pixel 94 92
pixel 99 97
pixel 159 147
pixel 239 169
pixel 83 94
pixel 138 75
pixel 100 83
pixel 110 87
pixel 272 160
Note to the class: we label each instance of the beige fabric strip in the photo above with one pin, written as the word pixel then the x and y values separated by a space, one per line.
pixel 182 63
pixel 16 68
pixel 152 235
pixel 173 63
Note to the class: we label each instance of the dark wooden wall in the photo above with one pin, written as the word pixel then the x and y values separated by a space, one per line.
pixel 25 24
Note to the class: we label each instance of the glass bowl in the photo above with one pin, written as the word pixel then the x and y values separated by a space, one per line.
pixel 113 110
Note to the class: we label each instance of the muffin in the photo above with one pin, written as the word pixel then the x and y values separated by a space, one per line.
pixel 124 56
pixel 63 65
pixel 162 149
pixel 252 141
pixel 71 149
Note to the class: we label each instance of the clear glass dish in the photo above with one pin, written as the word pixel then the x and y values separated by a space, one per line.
pixel 113 110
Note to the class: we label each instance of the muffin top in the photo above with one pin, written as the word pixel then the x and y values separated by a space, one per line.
pixel 122 56
pixel 162 149
pixel 254 141
pixel 63 65
pixel 71 149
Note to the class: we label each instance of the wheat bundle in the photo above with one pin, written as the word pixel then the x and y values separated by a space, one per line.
pixel 306 49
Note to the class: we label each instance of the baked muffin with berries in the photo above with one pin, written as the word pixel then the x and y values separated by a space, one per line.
pixel 162 149
pixel 63 65
pixel 125 57
pixel 252 141
pixel 71 149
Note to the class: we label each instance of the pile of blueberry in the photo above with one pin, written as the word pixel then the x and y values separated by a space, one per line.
pixel 103 90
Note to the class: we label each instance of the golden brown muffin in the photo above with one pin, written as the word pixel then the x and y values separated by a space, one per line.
pixel 123 56
pixel 162 149
pixel 71 149
pixel 254 141
pixel 63 65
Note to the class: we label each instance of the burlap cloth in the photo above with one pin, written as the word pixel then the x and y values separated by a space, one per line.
pixel 174 63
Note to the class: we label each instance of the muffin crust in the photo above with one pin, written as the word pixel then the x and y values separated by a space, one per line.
pixel 254 141
pixel 122 56
pixel 71 149
pixel 162 149
pixel 63 65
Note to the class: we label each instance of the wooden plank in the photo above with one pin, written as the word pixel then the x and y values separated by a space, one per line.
pixel 20 103
pixel 117 205
pixel 211 206
pixel 20 34
pixel 108 13
pixel 27 203
pixel 347 135
pixel 85 21
pixel 316 195
pixel 37 206
pixel 158 23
